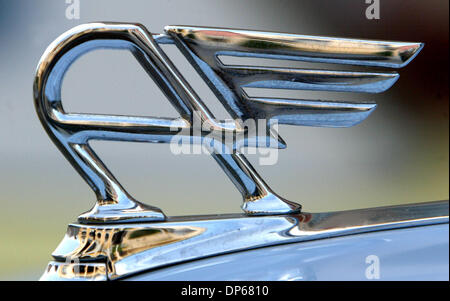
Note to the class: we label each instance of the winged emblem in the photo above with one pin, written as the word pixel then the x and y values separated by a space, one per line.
pixel 205 49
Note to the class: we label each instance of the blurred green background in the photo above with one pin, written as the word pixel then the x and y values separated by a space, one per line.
pixel 398 155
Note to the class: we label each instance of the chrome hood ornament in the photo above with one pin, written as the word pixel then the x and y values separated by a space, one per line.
pixel 120 236
pixel 204 48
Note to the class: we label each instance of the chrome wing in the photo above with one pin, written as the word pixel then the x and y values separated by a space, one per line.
pixel 205 47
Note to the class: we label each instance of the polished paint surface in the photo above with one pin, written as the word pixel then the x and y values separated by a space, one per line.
pixel 400 256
